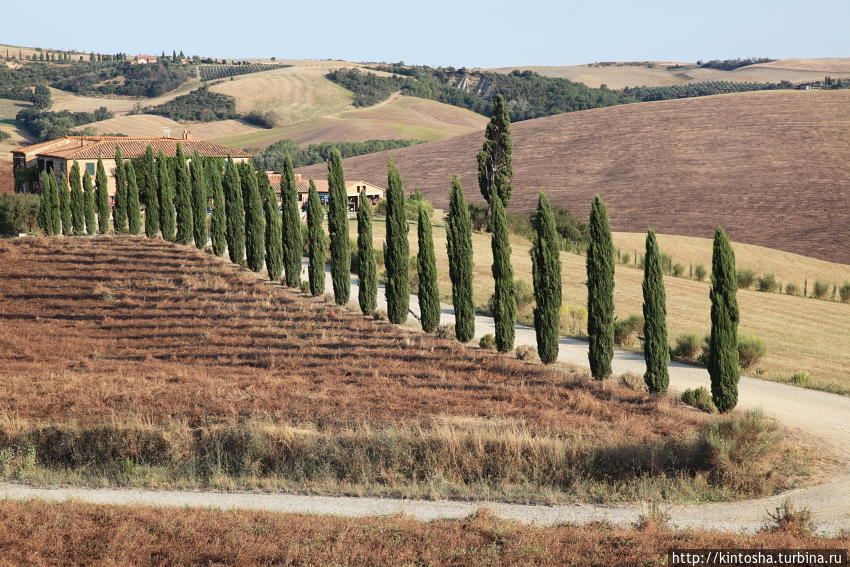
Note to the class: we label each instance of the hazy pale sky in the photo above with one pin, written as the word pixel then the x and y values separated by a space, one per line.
pixel 440 32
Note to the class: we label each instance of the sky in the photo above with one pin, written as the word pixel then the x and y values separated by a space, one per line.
pixel 445 33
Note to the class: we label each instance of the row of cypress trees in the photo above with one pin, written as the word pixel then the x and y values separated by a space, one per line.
pixel 75 209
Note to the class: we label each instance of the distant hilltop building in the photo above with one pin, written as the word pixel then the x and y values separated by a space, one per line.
pixel 353 188
pixel 143 59
pixel 59 155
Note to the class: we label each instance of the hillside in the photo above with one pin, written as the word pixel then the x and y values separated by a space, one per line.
pixel 771 167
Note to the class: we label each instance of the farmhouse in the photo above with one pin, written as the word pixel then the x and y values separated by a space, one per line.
pixel 59 155
pixel 143 59
pixel 353 189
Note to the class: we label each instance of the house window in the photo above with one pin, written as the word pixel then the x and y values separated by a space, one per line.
pixel 48 165
pixel 90 169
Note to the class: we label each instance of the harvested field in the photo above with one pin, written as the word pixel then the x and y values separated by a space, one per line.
pixel 36 533
pixel 681 166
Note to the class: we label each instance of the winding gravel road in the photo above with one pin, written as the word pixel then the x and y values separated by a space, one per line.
pixel 824 415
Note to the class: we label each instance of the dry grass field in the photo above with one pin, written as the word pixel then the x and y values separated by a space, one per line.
pixel 800 334
pixel 769 166
pixel 136 362
pixel 36 533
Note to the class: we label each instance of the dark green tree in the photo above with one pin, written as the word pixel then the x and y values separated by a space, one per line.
pixel 459 246
pixel 600 291
pixel 655 348
pixel 293 246
pixel 119 212
pixel 546 266
pixel 88 199
pixel 367 270
pixel 316 241
pixel 200 201
pixel 165 184
pixel 504 302
pixel 78 201
pixel 45 211
pixel 134 221
pixel 723 362
pixel 55 206
pixel 102 196
pixel 146 175
pixel 338 229
pixel 274 233
pixel 255 222
pixel 183 198
pixel 429 293
pixel 152 192
pixel 65 207
pixel 396 249
pixel 235 209
pixel 218 222
pixel 494 160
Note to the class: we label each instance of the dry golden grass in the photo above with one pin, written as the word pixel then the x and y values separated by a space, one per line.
pixel 37 533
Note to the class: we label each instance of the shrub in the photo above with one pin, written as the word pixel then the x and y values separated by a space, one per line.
pixel 799 378
pixel 626 330
pixel 699 398
pixel 820 289
pixel 844 292
pixel 446 331
pixel 678 270
pixel 380 315
pixel 700 272
pixel 792 289
pixel 789 519
pixel 687 347
pixel 750 351
pixel 525 352
pixel 488 342
pixel 266 119
pixel 633 382
pixel 573 320
pixel 767 283
pixel 746 278
pixel 18 213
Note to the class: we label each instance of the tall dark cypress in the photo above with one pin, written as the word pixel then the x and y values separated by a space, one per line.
pixel 218 221
pixel 315 241
pixel 183 198
pixel 78 202
pixel 134 221
pixel 101 181
pixel 338 229
pixel 235 209
pixel 88 201
pixel 45 220
pixel 655 348
pixel 429 293
pixel 165 184
pixel 723 362
pixel 55 206
pixel 546 266
pixel 293 246
pixel 119 212
pixel 459 246
pixel 600 291
pixel 200 201
pixel 396 249
pixel 494 159
pixel 65 207
pixel 255 222
pixel 152 191
pixel 146 176
pixel 273 234
pixel 367 271
pixel 504 302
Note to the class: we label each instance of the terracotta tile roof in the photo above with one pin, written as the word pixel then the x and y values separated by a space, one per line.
pixel 303 185
pixel 93 147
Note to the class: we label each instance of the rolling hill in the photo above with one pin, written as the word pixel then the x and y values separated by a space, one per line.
pixel 771 167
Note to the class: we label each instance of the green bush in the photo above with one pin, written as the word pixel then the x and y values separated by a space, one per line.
pixel 488 342
pixel 820 289
pixel 746 278
pixel 678 270
pixel 767 283
pixel 573 320
pixel 18 213
pixel 750 351
pixel 844 292
pixel 626 330
pixel 699 398
pixel 687 347
pixel 799 378
pixel 700 272
pixel 792 289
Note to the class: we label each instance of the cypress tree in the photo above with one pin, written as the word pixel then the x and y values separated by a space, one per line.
pixel 504 302
pixel 183 198
pixel 234 206
pixel 655 349
pixel 88 200
pixel 396 249
pixel 459 246
pixel 367 271
pixel 315 241
pixel 152 191
pixel 165 184
pixel 55 206
pixel 429 293
pixel 218 222
pixel 102 197
pixel 78 202
pixel 723 363
pixel 274 233
pixel 146 176
pixel 293 247
pixel 338 229
pixel 45 211
pixel 494 159
pixel 65 207
pixel 546 265
pixel 119 212
pixel 200 201
pixel 600 291
pixel 255 223
pixel 133 206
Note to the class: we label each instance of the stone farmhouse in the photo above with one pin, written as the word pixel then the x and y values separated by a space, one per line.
pixel 353 188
